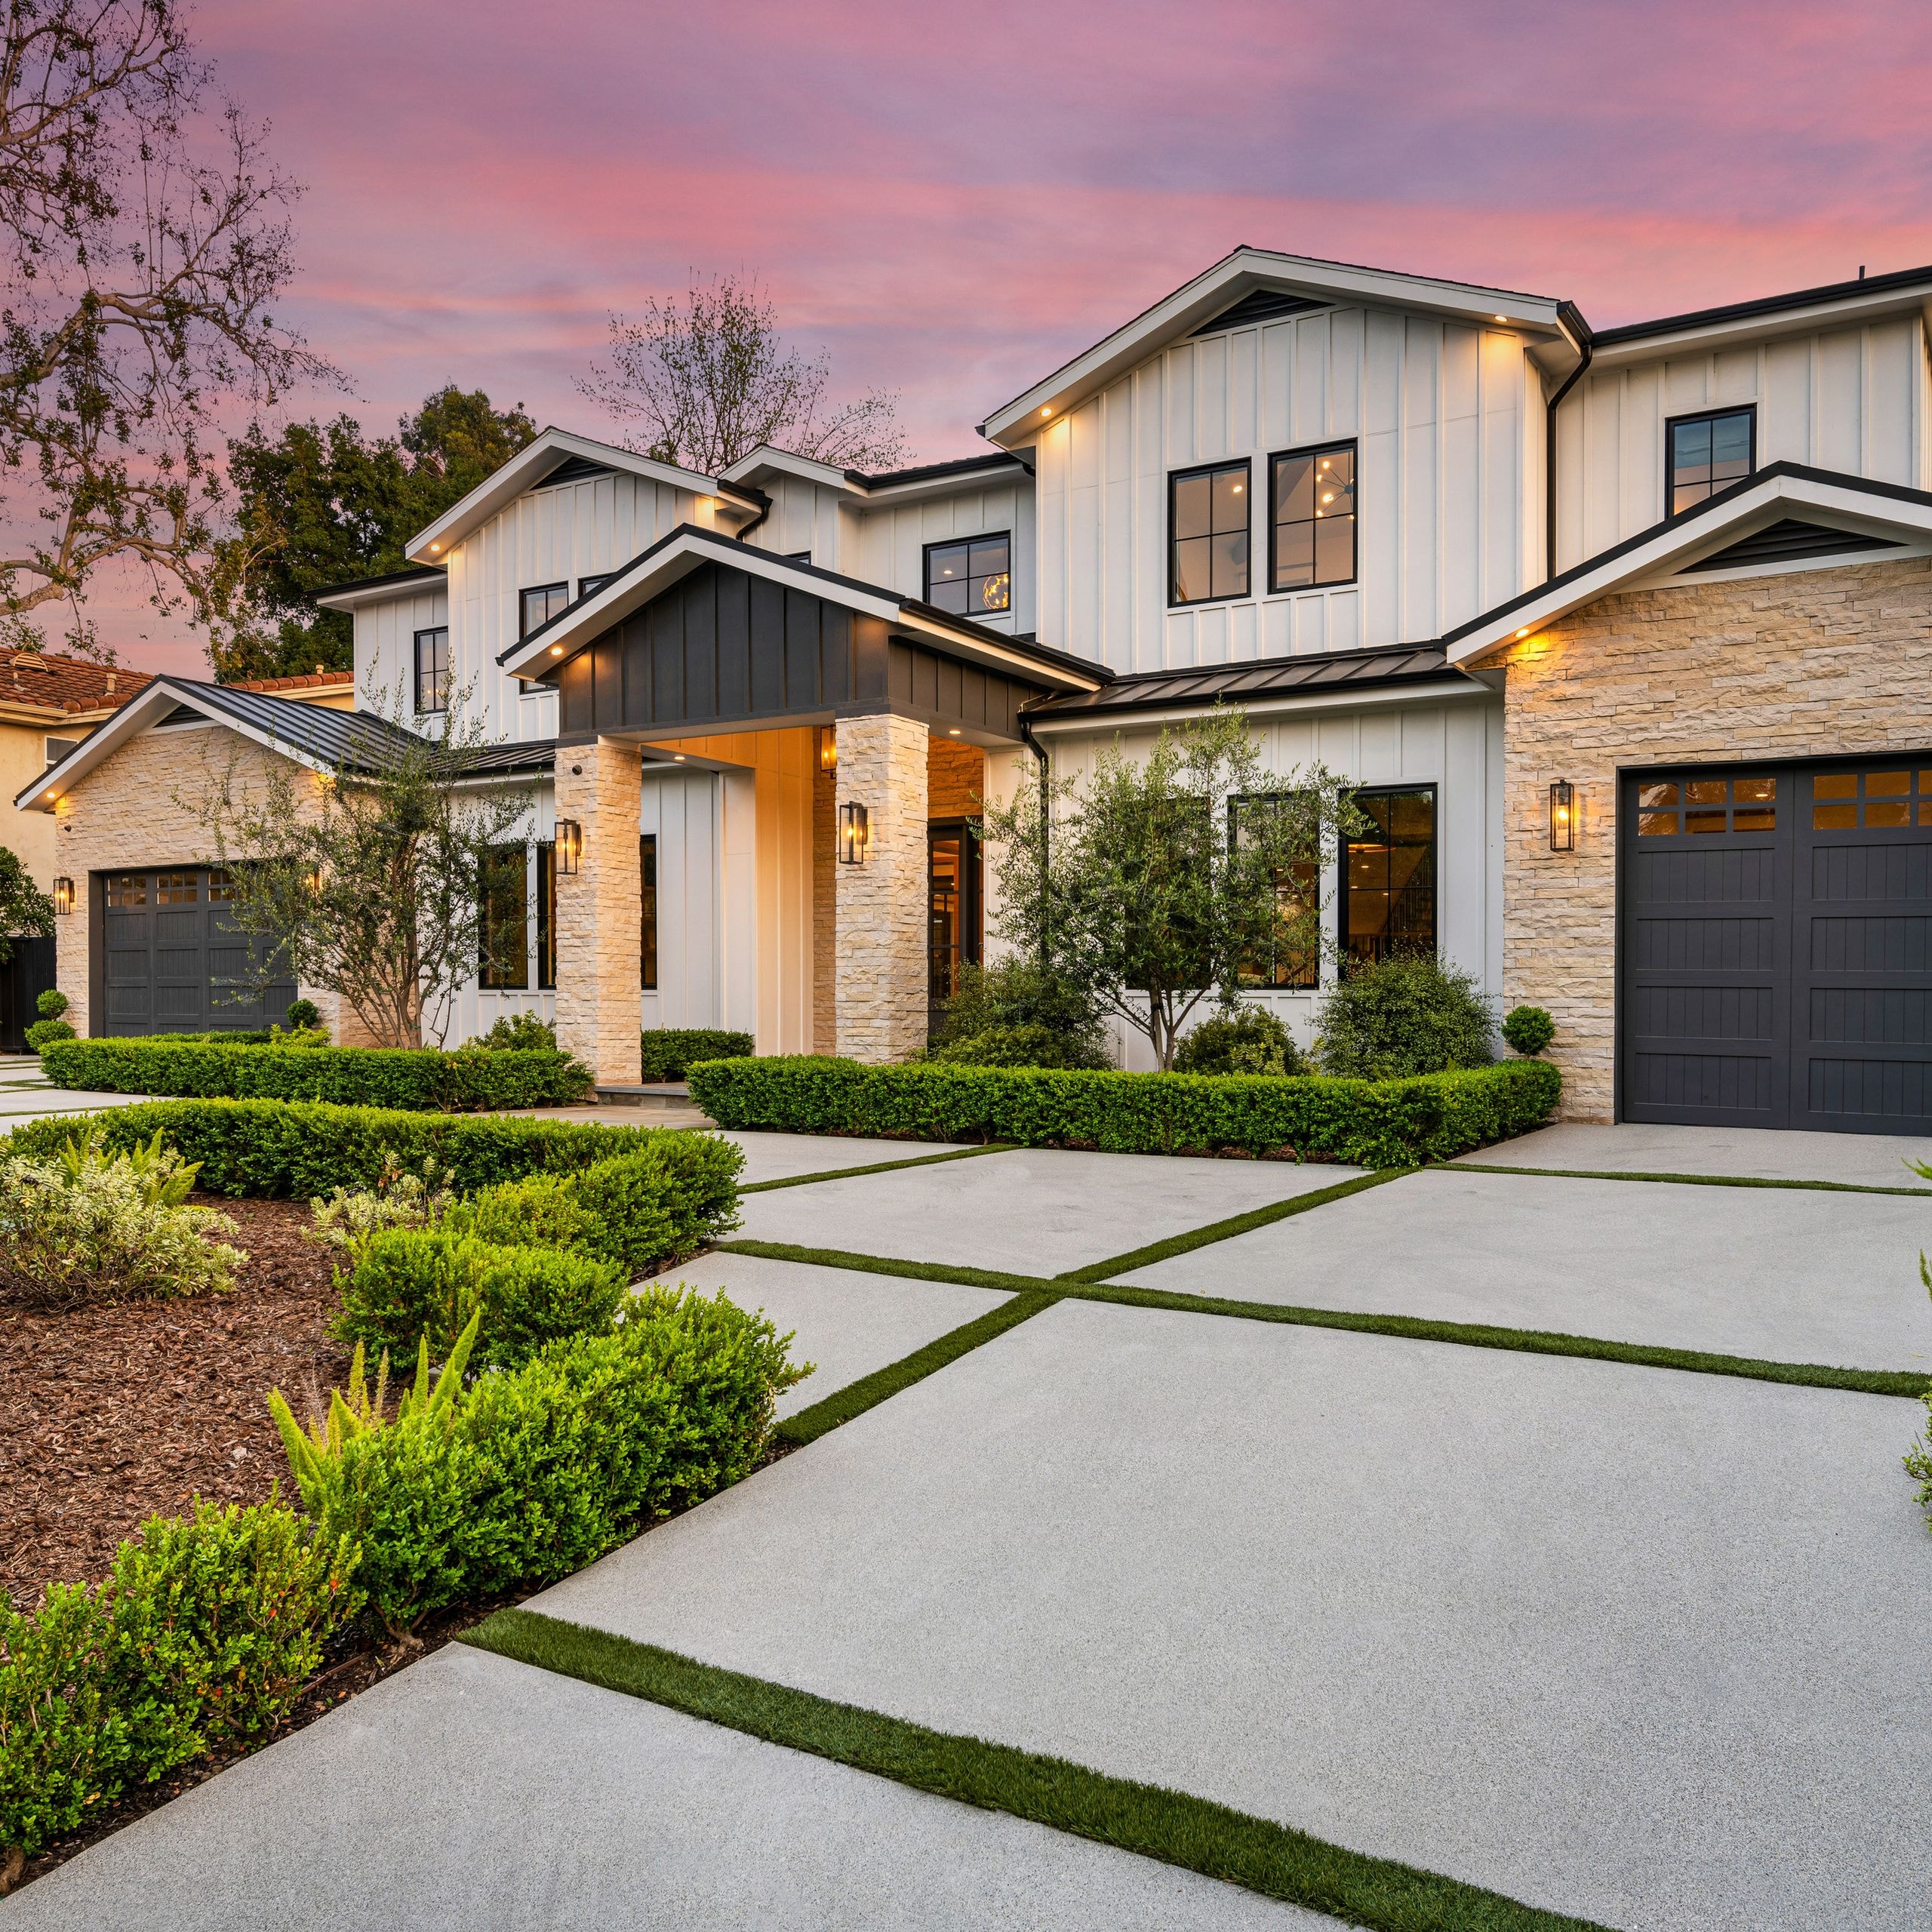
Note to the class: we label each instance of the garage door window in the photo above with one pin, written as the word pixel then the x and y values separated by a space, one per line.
pixel 177 889
pixel 128 889
pixel 1671 808
pixel 1843 801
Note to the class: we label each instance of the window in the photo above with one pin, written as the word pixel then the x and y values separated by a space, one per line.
pixel 1708 454
pixel 504 933
pixel 1841 801
pixel 953 908
pixel 647 932
pixel 546 915
pixel 432 670
pixel 1388 878
pixel 1207 533
pixel 177 888
pixel 221 887
pixel 58 747
pixel 974 579
pixel 128 889
pixel 1311 526
pixel 540 604
pixel 805 557
pixel 586 587
pixel 1670 806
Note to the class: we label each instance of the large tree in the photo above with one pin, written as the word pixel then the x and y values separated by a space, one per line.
pixel 320 503
pixel 1152 883
pixel 703 381
pixel 144 244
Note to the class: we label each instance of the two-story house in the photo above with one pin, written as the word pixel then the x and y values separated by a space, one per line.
pixel 1624 636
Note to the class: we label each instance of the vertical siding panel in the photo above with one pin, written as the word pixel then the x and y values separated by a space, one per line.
pixel 1602 439
pixel 1381 535
pixel 1889 398
pixel 1084 431
pixel 1116 575
pixel 1507 507
pixel 1277 343
pixel 1839 394
pixel 1686 384
pixel 1463 838
pixel 1150 518
pixel 1422 363
pixel 1460 487
pixel 1182 441
pixel 1784 417
pixel 1210 407
pixel 1641 453
pixel 1243 400
pixel 1734 376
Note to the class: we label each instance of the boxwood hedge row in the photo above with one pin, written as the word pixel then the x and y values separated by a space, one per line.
pixel 427 1079
pixel 1367 1123
pixel 669 1050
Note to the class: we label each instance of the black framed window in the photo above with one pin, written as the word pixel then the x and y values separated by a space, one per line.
pixel 1207 533
pixel 974 577
pixel 805 557
pixel 1311 517
pixel 647 930
pixel 58 747
pixel 1708 453
pixel 432 670
pixel 546 915
pixel 503 918
pixel 540 603
pixel 1388 877
pixel 587 587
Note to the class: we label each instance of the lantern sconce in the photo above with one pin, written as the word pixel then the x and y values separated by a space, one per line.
pixel 1562 817
pixel 570 846
pixel 854 835
pixel 63 895
pixel 828 749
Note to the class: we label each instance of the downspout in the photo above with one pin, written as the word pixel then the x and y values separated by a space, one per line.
pixel 1039 751
pixel 764 510
pixel 1571 318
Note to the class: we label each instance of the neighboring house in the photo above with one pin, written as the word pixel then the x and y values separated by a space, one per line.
pixel 1625 636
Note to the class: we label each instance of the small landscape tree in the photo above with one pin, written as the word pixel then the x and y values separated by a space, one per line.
pixel 26 911
pixel 1154 883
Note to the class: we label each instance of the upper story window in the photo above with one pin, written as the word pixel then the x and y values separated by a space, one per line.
pixel 57 748
pixel 432 670
pixel 973 578
pixel 540 603
pixel 1311 525
pixel 1207 533
pixel 1707 453
pixel 586 587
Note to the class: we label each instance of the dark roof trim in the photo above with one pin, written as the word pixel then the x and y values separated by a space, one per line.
pixel 1790 540
pixel 1259 304
pixel 932 472
pixel 1770 305
pixel 414 573
pixel 1897 493
pixel 1306 672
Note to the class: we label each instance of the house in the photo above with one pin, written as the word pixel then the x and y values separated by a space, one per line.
pixel 1624 635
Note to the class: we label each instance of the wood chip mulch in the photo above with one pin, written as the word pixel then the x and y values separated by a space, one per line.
pixel 112 1414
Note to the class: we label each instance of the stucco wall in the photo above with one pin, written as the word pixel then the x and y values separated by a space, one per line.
pixel 1806 664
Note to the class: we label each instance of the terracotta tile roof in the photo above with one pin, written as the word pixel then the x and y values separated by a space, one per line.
pixel 43 678
pixel 306 680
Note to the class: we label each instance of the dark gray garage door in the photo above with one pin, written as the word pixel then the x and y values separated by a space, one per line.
pixel 172 962
pixel 1775 932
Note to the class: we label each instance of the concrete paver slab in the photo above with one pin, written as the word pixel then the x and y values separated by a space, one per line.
pixel 1869 1160
pixel 783 1156
pixel 19 1105
pixel 471 1791
pixel 1780 1274
pixel 1029 1211
pixel 1627 1643
pixel 846 1325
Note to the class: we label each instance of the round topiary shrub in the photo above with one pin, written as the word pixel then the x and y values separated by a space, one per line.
pixel 304 1015
pixel 52 1003
pixel 1404 1015
pixel 1249 1040
pixel 44 1032
pixel 1528 1029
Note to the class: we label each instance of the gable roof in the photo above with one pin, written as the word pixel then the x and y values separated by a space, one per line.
pixel 1780 493
pixel 768 460
pixel 371 589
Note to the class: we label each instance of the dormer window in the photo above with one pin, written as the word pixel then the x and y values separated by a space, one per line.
pixel 1709 453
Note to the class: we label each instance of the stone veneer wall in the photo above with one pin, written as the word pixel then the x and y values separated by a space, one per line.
pixel 1806 664
pixel 600 910
pixel 138 810
pixel 881 904
pixel 825 907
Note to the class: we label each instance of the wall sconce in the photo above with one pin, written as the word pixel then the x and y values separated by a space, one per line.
pixel 828 749
pixel 570 846
pixel 854 835
pixel 312 880
pixel 63 896
pixel 1562 817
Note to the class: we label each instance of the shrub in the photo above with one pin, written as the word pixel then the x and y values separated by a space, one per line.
pixel 1009 1046
pixel 1249 1040
pixel 203 1635
pixel 296 1149
pixel 669 1051
pixel 90 1225
pixel 1013 996
pixel 1404 1015
pixel 523 1477
pixel 43 1033
pixel 519 1032
pixel 410 1285
pixel 1528 1029
pixel 1377 1124
pixel 51 1005
pixel 424 1080
pixel 304 1015
pixel 348 1219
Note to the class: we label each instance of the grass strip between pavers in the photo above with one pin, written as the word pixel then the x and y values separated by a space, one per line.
pixel 1686 1180
pixel 886 1264
pixel 878 1168
pixel 1273 1859
pixel 842 1405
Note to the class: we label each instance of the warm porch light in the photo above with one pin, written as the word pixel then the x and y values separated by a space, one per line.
pixel 854 834
pixel 828 749
pixel 63 895
pixel 1562 817
pixel 570 845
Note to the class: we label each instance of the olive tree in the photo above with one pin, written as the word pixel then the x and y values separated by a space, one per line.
pixel 1154 883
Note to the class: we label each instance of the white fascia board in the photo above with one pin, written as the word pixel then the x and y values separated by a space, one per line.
pixel 525 471
pixel 1850 311
pixel 921 489
pixel 1435 691
pixel 916 623
pixel 1218 287
pixel 358 595
pixel 767 458
pixel 1775 497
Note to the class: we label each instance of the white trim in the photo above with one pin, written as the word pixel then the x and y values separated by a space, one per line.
pixel 1848 312
pixel 1434 693
pixel 355 596
pixel 767 457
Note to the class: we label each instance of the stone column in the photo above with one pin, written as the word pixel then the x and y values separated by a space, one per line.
pixel 599 909
pixel 881 904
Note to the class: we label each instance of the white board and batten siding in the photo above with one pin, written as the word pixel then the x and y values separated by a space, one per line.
pixel 1447 419
pixel 1852 400
pixel 385 648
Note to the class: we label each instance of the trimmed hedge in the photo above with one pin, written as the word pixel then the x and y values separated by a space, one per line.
pixel 668 1051
pixel 297 1149
pixel 426 1080
pixel 1367 1123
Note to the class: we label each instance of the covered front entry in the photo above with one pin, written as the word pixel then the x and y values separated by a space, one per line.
pixel 1775 937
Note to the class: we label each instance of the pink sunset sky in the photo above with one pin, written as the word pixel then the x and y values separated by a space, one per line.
pixel 952 200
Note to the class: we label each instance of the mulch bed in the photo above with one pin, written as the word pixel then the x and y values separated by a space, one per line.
pixel 110 1415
